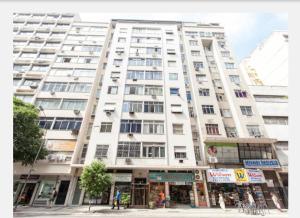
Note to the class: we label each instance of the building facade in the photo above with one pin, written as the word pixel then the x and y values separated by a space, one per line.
pixel 167 110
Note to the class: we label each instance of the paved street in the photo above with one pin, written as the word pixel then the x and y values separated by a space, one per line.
pixel 104 211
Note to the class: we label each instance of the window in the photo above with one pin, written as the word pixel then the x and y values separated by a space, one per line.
pixel 153 75
pixel 153 150
pixel 135 74
pixel 240 93
pixel 35 44
pixel 193 42
pixel 153 50
pixel 52 44
pixel 132 106
pixel 153 107
pixel 225 53
pixel 79 87
pixel 170 41
pixel 129 149
pixel 253 130
pixel 54 87
pixel 46 55
pixel 173 76
pixel 113 90
pixel 201 78
pixel 117 62
pixel 25 98
pixel 115 74
pixel 46 122
pixel 231 132
pixel 177 129
pixel 84 72
pixel 136 62
pixel 40 68
pixel 229 65
pixel 172 64
pixel 67 123
pixel 208 109
pixel 188 96
pixel 252 151
pixel 153 62
pixel 171 52
pixel 195 53
pixel 28 55
pixel 134 90
pixel 153 90
pixel 106 127
pixel 275 120
pixel 31 82
pixel 235 79
pixel 121 39
pixel 198 65
pixel 48 104
pixel 212 129
pixel 131 126
pixel 153 127
pixel 174 91
pixel 204 92
pixel 101 151
pixel 21 67
pixel 225 113
pixel 246 110
pixel 180 152
pixel 176 108
pixel 73 104
pixel 16 82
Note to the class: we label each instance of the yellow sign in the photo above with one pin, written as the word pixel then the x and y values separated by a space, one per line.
pixel 241 176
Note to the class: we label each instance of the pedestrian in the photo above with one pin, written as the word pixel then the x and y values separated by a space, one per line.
pixel 52 197
pixel 276 201
pixel 221 201
pixel 250 199
pixel 116 200
pixel 162 198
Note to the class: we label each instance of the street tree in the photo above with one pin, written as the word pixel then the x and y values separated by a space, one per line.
pixel 95 180
pixel 27 135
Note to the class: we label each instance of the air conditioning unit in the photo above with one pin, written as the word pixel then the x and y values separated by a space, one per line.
pixel 114 79
pixel 131 112
pixel 128 160
pixel 52 93
pixel 18 75
pixel 108 113
pixel 91 52
pixel 69 75
pixel 198 175
pixel 134 79
pixel 154 67
pixel 154 96
pixel 258 136
pixel 75 131
pixel 137 54
pixel 76 112
pixel 154 55
pixel 197 68
pixel 51 157
pixel 80 41
pixel 117 65
pixel 76 78
pixel 34 86
pixel 130 134
pixel 180 161
pixel 212 159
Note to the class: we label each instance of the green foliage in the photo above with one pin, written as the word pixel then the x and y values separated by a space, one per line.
pixel 94 179
pixel 27 136
pixel 125 199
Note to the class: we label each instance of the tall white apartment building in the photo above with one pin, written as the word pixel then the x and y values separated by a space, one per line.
pixel 268 63
pixel 173 114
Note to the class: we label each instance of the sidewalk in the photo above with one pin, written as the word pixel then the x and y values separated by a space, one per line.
pixel 160 212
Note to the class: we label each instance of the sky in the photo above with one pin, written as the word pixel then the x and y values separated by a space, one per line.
pixel 245 31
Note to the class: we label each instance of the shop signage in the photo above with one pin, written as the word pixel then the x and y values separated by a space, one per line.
pixel 256 176
pixel 270 163
pixel 171 177
pixel 241 176
pixel 220 175
pixel 122 177
pixel 31 177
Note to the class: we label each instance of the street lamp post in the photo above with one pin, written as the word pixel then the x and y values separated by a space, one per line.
pixel 35 159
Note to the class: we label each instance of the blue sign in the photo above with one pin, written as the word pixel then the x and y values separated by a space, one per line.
pixel 267 163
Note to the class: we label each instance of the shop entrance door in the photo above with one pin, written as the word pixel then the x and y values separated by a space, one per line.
pixel 62 192
pixel 180 194
pixel 140 192
pixel 27 193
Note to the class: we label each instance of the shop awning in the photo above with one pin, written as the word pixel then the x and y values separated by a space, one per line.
pixel 171 177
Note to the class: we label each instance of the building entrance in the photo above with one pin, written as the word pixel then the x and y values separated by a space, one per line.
pixel 140 192
pixel 62 192
pixel 27 193
pixel 180 194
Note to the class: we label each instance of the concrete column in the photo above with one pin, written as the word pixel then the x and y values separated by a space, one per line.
pixel 195 194
pixel 205 189
pixel 37 185
pixel 111 197
pixel 167 190
pixel 281 185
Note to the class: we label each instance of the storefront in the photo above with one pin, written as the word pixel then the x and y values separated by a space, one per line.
pixel 179 187
pixel 269 167
pixel 234 184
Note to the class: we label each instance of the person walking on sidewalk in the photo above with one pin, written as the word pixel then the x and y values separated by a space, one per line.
pixel 162 199
pixel 221 201
pixel 52 197
pixel 116 200
pixel 276 201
